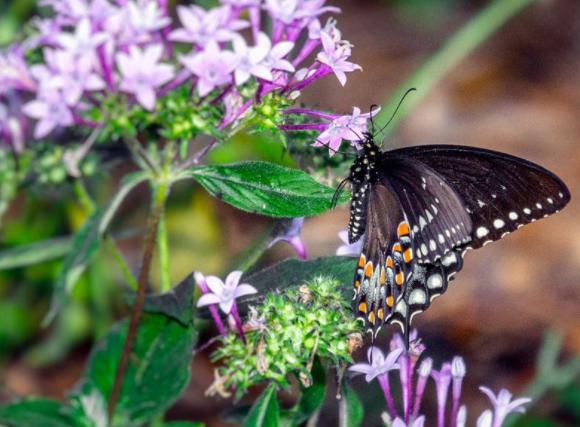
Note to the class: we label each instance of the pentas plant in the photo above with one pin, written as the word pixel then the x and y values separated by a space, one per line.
pixel 413 378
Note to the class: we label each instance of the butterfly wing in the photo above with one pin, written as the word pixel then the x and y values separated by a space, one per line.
pixel 500 192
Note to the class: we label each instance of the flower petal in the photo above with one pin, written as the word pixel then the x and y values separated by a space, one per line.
pixel 208 299
pixel 215 284
pixel 244 289
pixel 233 278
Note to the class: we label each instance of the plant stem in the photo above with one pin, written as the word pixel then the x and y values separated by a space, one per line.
pixel 159 198
pixel 461 44
pixel 163 249
pixel 83 195
pixel 121 263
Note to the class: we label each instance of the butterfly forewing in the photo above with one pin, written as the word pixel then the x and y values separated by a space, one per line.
pixel 499 192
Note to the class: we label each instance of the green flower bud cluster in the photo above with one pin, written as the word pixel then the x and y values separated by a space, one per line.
pixel 284 334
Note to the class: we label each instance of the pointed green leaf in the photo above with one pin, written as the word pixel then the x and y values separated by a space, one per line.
pixel 176 303
pixel 84 246
pixel 266 410
pixel 157 373
pixel 37 413
pixel 265 188
pixel 34 253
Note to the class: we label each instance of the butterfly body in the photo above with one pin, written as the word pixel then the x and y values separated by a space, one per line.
pixel 421 208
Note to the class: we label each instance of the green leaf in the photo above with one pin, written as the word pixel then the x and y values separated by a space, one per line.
pixel 311 398
pixel 265 188
pixel 37 413
pixel 177 303
pixel 127 184
pixel 157 373
pixel 34 253
pixel 350 408
pixel 266 410
pixel 84 247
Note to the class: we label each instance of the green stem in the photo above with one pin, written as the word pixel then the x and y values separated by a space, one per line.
pixel 461 44
pixel 85 199
pixel 159 197
pixel 121 263
pixel 163 250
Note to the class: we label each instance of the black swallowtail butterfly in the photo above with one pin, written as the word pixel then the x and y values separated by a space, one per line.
pixel 420 208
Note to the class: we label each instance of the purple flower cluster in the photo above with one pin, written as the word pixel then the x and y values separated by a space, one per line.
pixel 94 49
pixel 413 378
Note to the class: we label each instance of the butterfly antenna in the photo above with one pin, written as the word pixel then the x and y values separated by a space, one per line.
pixel 332 149
pixel 337 193
pixel 397 109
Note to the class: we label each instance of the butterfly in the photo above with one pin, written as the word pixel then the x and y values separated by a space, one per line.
pixel 420 208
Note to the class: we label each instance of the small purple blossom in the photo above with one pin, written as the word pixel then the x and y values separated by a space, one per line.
pixel 212 66
pixel 201 26
pixel 377 364
pixel 201 283
pixel 335 56
pixel 504 405
pixel 292 237
pixel 138 21
pixel 142 73
pixel 250 61
pixel 51 111
pixel 350 127
pixel 349 249
pixel 83 42
pixel 14 73
pixel 442 380
pixel 225 294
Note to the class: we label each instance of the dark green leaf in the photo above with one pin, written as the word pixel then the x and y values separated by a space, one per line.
pixel 266 410
pixel 84 246
pixel 350 408
pixel 38 413
pixel 311 398
pixel 157 373
pixel 265 188
pixel 128 183
pixel 34 253
pixel 177 303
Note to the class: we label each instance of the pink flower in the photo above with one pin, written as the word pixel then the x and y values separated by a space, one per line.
pixel 142 73
pixel 225 294
pixel 350 127
pixel 378 364
pixel 250 60
pixel 335 55
pixel 292 237
pixel 503 405
pixel 51 111
pixel 212 66
pixel 201 26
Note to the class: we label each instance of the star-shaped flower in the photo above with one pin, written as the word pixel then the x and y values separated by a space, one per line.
pixel 225 294
pixel 83 41
pixel 378 363
pixel 335 55
pixel 418 422
pixel 201 26
pixel 51 111
pixel 212 66
pixel 142 73
pixel 350 127
pixel 291 235
pixel 504 405
pixel 250 60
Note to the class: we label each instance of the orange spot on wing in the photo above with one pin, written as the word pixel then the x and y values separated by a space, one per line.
pixel 382 280
pixel 372 317
pixel 361 261
pixel 389 262
pixel 403 229
pixel 357 283
pixel 369 269
pixel 397 247
pixel 390 301
pixel 380 313
pixel 399 278
pixel 362 307
pixel 408 255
